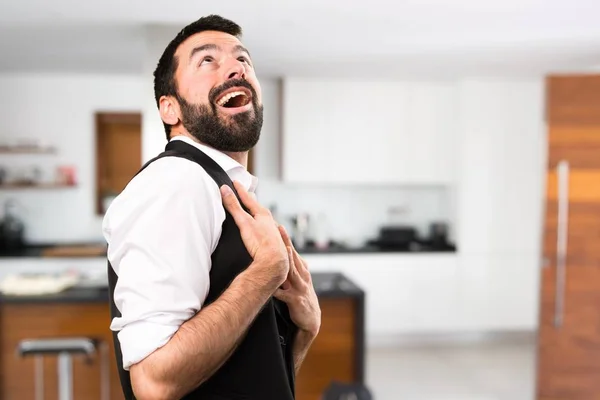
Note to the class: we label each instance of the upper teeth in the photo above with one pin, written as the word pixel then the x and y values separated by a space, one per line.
pixel 228 96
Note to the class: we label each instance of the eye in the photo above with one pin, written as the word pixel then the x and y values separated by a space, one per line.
pixel 243 59
pixel 206 59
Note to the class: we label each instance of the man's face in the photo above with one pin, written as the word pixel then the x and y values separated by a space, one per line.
pixel 218 93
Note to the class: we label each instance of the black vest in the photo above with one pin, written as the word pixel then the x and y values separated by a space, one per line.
pixel 262 366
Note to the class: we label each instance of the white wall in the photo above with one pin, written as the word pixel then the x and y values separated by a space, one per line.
pixel 353 213
pixel 497 203
pixel 153 133
pixel 59 109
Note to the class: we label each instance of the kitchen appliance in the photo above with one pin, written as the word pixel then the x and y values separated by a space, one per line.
pixel 301 230
pixel 407 238
pixel 395 237
pixel 12 228
pixel 438 234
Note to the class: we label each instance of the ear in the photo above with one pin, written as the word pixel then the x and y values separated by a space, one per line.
pixel 169 110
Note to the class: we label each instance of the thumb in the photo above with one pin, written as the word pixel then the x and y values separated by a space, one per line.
pixel 231 204
pixel 282 295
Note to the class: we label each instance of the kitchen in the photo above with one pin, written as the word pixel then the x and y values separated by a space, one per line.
pixel 430 205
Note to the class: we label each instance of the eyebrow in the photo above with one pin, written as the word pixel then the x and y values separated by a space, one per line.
pixel 241 49
pixel 204 47
pixel 211 46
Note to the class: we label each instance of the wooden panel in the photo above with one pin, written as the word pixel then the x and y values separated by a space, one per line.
pixel 251 163
pixel 583 233
pixel 332 355
pixel 75 251
pixel 21 321
pixel 118 153
pixel 584 185
pixel 569 354
pixel 574 100
pixel 580 145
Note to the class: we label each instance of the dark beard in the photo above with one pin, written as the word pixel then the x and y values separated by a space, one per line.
pixel 240 132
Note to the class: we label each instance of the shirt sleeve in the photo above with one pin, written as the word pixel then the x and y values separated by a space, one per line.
pixel 161 231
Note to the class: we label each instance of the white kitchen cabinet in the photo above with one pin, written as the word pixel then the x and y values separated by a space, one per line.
pixel 367 132
pixel 405 293
pixel 499 201
pixel 430 137
pixel 499 293
pixel 502 167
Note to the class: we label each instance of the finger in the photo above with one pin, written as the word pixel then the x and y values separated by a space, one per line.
pixel 301 266
pixel 231 204
pixel 286 285
pixel 293 276
pixel 285 236
pixel 250 202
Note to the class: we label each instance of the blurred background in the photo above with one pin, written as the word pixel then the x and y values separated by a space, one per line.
pixel 437 161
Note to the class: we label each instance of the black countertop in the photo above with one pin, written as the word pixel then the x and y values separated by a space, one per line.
pixel 375 250
pixel 73 295
pixel 36 251
pixel 28 251
pixel 326 284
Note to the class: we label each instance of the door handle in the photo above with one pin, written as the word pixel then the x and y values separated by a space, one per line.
pixel 562 233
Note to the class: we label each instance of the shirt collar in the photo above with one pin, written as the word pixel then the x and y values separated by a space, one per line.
pixel 234 169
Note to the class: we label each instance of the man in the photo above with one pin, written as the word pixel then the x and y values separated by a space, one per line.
pixel 209 299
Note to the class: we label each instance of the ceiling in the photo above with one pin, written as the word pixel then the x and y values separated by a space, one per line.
pixel 370 39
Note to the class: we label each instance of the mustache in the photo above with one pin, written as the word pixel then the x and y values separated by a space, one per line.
pixel 217 91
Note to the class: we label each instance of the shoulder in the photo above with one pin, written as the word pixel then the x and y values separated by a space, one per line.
pixel 175 173
pixel 176 180
pixel 172 185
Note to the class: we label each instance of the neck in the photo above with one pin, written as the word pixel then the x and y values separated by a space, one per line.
pixel 241 157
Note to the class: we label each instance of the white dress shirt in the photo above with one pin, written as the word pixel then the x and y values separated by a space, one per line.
pixel 161 231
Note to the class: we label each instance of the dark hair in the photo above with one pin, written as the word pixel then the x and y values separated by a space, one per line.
pixel 164 74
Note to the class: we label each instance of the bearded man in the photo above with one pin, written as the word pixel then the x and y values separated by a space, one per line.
pixel 209 299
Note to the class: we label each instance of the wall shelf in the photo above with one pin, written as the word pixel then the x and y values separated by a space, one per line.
pixel 19 186
pixel 27 150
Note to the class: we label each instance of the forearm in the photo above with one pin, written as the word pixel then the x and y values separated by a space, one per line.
pixel 302 343
pixel 203 343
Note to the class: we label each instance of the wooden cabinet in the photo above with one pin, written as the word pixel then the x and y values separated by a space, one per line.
pixel 337 353
pixel 367 132
pixel 47 320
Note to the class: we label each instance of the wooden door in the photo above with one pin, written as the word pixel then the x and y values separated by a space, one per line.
pixel 118 153
pixel 569 335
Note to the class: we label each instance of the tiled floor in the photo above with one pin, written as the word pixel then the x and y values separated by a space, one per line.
pixel 499 371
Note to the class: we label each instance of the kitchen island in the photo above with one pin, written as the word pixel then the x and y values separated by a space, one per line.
pixel 336 354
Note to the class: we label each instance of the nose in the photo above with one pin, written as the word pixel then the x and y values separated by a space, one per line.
pixel 236 70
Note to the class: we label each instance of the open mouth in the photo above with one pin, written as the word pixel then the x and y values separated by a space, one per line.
pixel 234 98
